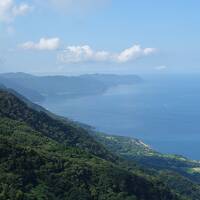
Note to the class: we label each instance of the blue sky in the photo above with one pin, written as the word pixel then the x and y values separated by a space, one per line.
pixel 104 36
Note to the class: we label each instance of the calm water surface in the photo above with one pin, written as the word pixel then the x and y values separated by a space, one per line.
pixel 164 111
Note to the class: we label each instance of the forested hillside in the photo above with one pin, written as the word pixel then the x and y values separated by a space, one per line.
pixel 45 158
pixel 176 171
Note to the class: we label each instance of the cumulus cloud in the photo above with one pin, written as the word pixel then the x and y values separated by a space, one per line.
pixel 9 10
pixel 77 54
pixel 43 44
pixel 133 53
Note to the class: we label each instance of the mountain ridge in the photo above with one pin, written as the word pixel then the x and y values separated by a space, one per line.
pixel 38 88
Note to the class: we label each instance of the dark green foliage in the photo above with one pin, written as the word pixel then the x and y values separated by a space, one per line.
pixel 180 183
pixel 16 109
pixel 44 158
pixel 173 170
pixel 33 165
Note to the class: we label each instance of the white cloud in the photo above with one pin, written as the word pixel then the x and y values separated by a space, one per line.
pixel 77 54
pixel 43 44
pixel 9 10
pixel 133 53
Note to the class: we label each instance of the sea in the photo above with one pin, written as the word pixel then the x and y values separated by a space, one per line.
pixel 163 111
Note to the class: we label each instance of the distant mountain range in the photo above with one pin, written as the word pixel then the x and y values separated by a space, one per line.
pixel 37 88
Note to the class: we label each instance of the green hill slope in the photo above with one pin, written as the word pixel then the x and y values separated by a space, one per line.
pixel 177 172
pixel 44 158
pixel 14 108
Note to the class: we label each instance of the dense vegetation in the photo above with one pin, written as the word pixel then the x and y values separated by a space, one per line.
pixel 177 172
pixel 13 108
pixel 45 158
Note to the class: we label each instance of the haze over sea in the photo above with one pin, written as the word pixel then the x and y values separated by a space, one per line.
pixel 163 111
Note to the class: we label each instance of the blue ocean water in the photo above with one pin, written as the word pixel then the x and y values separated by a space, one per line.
pixel 163 111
